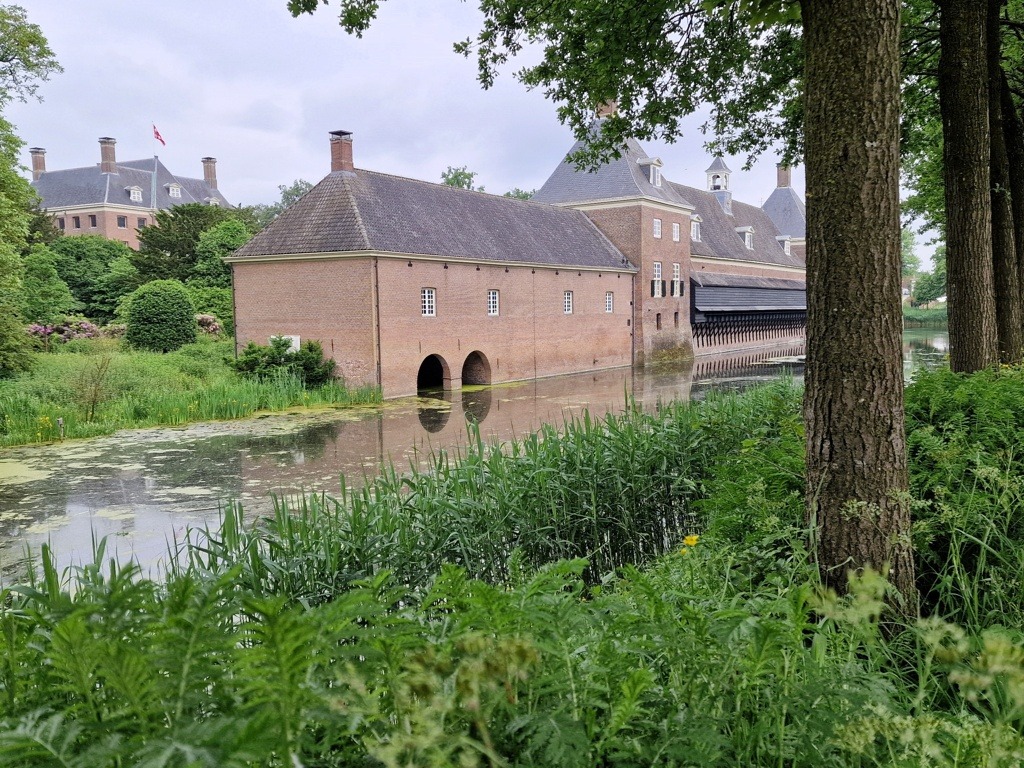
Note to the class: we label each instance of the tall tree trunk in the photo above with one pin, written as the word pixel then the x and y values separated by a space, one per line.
pixel 1005 274
pixel 1013 130
pixel 853 402
pixel 963 102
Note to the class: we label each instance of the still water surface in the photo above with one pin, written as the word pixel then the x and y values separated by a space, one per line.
pixel 143 488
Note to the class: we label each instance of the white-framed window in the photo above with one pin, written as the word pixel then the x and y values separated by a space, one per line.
pixel 428 302
pixel 492 303
pixel 657 227
pixel 567 302
pixel 122 222
pixel 609 301
pixel 695 231
pixel 656 289
pixel 675 232
pixel 135 194
pixel 748 239
pixel 657 270
pixel 174 190
pixel 676 282
pixel 655 175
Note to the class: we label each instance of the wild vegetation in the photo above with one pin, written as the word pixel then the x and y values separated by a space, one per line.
pixel 552 604
pixel 95 387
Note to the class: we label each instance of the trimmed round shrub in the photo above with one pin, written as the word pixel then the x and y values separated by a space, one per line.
pixel 161 317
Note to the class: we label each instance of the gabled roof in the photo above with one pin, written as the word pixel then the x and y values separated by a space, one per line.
pixel 719 238
pixel 90 186
pixel 616 179
pixel 368 211
pixel 786 209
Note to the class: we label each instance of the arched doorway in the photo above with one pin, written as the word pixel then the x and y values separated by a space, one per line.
pixel 476 370
pixel 432 375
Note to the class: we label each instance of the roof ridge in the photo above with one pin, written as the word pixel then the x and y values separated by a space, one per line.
pixel 355 209
pixel 442 185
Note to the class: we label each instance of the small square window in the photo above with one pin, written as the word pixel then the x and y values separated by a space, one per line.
pixel 675 232
pixel 567 303
pixel 122 222
pixel 174 191
pixel 428 305
pixel 141 224
pixel 609 301
pixel 657 227
pixel 76 222
pixel 492 303
pixel 92 220
pixel 695 231
pixel 135 194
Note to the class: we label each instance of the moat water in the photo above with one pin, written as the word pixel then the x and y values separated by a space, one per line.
pixel 142 489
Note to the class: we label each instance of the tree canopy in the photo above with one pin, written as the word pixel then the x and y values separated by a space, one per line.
pixel 264 213
pixel 168 249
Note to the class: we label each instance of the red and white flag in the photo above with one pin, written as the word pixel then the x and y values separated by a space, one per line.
pixel 157 136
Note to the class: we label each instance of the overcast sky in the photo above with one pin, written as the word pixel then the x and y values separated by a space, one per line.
pixel 243 81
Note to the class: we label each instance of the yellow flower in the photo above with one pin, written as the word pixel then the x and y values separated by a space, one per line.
pixel 691 540
pixel 683 551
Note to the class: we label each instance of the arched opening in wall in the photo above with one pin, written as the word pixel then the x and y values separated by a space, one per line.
pixel 432 375
pixel 476 370
pixel 657 321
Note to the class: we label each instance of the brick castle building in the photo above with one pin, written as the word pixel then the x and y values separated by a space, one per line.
pixel 115 199
pixel 411 285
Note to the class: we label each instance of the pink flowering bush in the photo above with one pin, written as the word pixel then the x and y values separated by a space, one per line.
pixel 208 324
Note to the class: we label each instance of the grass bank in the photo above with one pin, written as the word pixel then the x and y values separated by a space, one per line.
pixel 921 317
pixel 96 388
pixel 552 605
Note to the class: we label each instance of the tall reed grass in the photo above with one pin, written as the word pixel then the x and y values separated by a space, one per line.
pixel 98 388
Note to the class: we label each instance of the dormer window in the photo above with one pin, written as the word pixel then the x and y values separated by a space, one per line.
pixel 212 201
pixel 784 242
pixel 747 233
pixel 134 194
pixel 695 229
pixel 174 190
pixel 652 167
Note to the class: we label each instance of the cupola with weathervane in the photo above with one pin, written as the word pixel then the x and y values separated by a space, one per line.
pixel 718 183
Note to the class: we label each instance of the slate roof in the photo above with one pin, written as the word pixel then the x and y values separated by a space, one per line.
pixel 621 178
pixel 369 211
pixel 719 238
pixel 786 209
pixel 89 186
pixel 715 292
pixel 718 166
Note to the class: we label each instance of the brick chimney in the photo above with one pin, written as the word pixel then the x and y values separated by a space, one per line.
pixel 210 172
pixel 107 162
pixel 38 162
pixel 785 175
pixel 341 151
pixel 607 109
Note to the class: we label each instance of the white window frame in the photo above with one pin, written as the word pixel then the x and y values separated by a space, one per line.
pixel 657 281
pixel 122 219
pixel 657 228
pixel 493 303
pixel 676 279
pixel 695 231
pixel 428 302
pixel 655 175
pixel 567 302
pixel 135 194
pixel 609 302
pixel 675 231
pixel 657 270
pixel 173 190
pixel 748 240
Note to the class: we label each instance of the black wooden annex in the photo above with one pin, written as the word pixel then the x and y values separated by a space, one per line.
pixel 733 309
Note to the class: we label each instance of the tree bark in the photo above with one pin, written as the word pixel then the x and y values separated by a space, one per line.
pixel 963 102
pixel 1013 130
pixel 853 402
pixel 1005 274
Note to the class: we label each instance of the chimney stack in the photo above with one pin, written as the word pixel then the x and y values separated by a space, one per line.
pixel 341 151
pixel 785 175
pixel 107 162
pixel 210 172
pixel 607 109
pixel 38 162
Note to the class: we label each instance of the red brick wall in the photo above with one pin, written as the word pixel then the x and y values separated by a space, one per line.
pixel 531 336
pixel 330 301
pixel 106 224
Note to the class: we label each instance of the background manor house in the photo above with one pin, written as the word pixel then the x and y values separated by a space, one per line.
pixel 411 285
